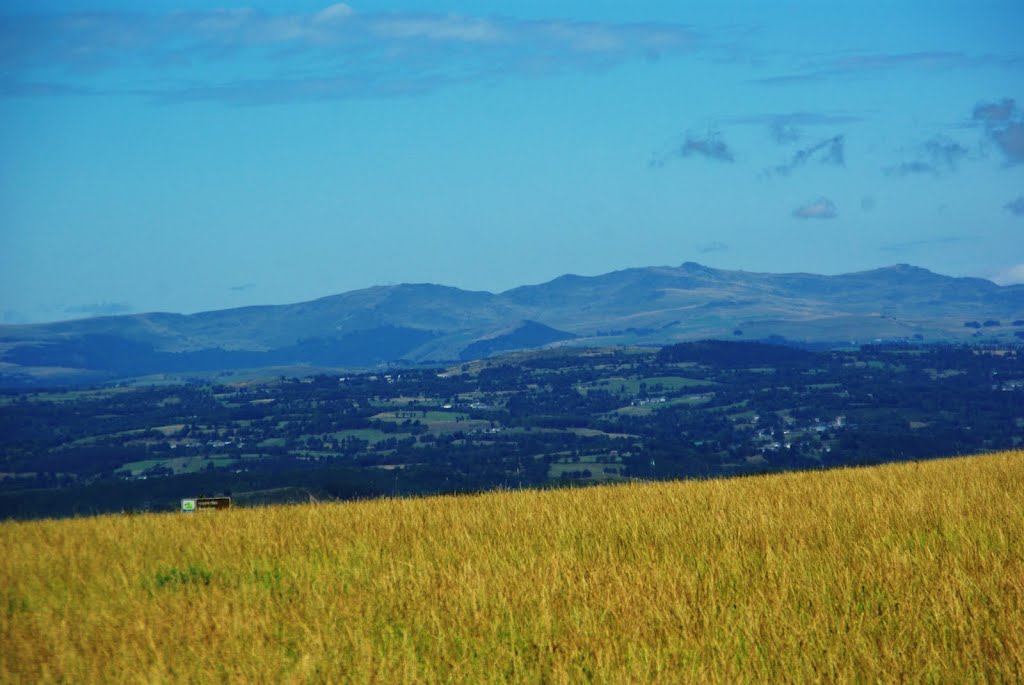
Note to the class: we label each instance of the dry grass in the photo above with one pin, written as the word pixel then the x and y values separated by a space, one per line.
pixel 909 572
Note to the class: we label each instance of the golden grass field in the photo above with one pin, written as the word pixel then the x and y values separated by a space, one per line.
pixel 911 572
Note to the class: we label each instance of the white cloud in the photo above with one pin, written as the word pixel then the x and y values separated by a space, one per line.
pixel 1010 276
pixel 450 28
pixel 822 208
pixel 340 53
pixel 337 12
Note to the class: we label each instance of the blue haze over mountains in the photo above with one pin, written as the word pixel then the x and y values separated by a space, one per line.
pixel 427 323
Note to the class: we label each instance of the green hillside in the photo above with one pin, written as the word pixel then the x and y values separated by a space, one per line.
pixel 431 323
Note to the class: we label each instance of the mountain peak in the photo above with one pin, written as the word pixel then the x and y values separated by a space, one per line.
pixel 904 272
pixel 907 268
pixel 647 306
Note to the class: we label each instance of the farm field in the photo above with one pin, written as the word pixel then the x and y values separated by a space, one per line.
pixel 908 572
pixel 566 417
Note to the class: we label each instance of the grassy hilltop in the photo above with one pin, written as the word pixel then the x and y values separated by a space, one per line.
pixel 909 572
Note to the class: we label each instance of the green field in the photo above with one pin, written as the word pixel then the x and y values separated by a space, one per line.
pixel 654 385
pixel 370 435
pixel 646 409
pixel 177 464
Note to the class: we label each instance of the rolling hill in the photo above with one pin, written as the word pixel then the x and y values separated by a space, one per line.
pixel 908 572
pixel 416 323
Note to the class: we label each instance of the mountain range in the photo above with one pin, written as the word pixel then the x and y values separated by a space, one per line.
pixel 422 323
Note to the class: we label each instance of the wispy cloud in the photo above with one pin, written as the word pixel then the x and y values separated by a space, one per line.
pixel 1010 139
pixel 994 113
pixel 876 62
pixel 1015 206
pixel 10 87
pixel 829 151
pixel 100 309
pixel 822 208
pixel 945 152
pixel 714 246
pixel 334 53
pixel 242 288
pixel 1004 125
pixel 788 128
pixel 926 59
pixel 938 155
pixel 784 133
pixel 710 146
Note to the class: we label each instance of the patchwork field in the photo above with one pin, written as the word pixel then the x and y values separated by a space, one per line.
pixel 910 572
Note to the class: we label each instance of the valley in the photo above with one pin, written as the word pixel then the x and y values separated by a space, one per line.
pixel 529 419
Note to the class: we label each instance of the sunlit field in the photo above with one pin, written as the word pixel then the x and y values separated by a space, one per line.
pixel 910 572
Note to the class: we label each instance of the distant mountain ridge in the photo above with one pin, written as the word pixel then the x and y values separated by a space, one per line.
pixel 416 323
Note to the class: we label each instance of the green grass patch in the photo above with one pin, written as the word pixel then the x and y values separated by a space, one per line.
pixel 177 464
pixel 652 386
pixel 370 435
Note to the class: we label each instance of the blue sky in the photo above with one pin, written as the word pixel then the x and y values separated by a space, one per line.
pixel 195 156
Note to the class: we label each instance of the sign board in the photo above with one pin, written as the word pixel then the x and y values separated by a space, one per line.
pixel 204 503
pixel 213 503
